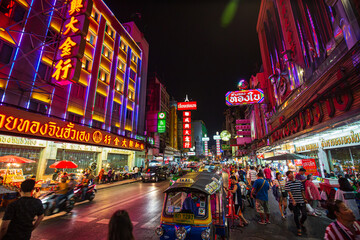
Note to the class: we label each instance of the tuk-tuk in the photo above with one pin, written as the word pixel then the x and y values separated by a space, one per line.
pixel 194 208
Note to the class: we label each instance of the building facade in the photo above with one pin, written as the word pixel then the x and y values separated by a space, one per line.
pixel 309 52
pixel 69 65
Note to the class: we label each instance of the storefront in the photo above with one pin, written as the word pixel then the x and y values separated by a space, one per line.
pixel 47 140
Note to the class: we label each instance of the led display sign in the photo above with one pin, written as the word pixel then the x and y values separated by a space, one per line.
pixel 19 122
pixel 242 97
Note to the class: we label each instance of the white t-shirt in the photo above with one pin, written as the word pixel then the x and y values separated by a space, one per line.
pixel 136 169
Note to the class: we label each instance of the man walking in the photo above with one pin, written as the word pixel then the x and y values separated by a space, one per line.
pixel 18 221
pixel 251 178
pixel 260 192
pixel 298 201
pixel 267 172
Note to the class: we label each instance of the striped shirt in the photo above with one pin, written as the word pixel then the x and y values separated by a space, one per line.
pixel 295 188
pixel 252 175
pixel 337 231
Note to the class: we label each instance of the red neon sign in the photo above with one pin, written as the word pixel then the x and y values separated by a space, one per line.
pixel 186 106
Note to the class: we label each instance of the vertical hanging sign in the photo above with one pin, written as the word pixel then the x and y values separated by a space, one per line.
pixel 161 122
pixel 187 129
pixel 71 49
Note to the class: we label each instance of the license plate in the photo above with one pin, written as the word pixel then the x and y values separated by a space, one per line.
pixel 184 218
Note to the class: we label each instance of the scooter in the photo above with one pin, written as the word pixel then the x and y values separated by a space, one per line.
pixel 90 192
pixel 49 203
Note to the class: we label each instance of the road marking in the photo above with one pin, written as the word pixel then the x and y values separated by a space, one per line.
pixel 104 221
pixel 85 219
pixel 134 223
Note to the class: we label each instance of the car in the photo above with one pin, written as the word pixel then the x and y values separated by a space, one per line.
pixel 154 174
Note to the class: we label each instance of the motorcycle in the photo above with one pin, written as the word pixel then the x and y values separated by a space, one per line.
pixel 49 203
pixel 90 192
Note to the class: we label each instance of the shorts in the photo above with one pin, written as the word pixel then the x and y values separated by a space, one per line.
pixel 262 206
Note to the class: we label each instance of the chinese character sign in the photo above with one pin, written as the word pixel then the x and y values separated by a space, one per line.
pixel 72 46
pixel 187 129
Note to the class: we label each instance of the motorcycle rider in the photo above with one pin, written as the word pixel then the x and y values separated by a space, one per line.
pixel 63 189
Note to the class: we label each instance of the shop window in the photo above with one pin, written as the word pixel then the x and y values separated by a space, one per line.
pixel 82 159
pixel 103 76
pixel 38 107
pixel 97 124
pixel 28 169
pixel 132 74
pixel 86 64
pixel 100 101
pixel 6 52
pixel 78 91
pixel 44 71
pixel 74 118
pixel 119 86
pixel 121 65
pixel 12 10
pixel 131 95
pixel 106 52
pixel 129 114
pixel 116 161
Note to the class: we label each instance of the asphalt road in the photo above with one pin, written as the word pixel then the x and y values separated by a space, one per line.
pixel 144 201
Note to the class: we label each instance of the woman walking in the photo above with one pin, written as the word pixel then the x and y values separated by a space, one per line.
pixel 120 226
pixel 279 183
pixel 312 194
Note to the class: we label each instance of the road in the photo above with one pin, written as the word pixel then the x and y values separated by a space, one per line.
pixel 143 201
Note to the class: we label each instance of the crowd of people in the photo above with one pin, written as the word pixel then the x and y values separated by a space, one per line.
pixel 297 192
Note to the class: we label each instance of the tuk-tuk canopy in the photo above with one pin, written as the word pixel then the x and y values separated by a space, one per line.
pixel 205 182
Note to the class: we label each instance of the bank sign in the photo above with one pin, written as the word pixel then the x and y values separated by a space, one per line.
pixel 161 122
pixel 18 122
pixel 185 106
pixel 243 97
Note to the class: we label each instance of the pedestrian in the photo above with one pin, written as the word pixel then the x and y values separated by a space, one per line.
pixel 301 176
pixel 297 200
pixel 279 182
pixel 242 175
pixel 136 170
pixel 267 173
pixel 237 200
pixel 345 227
pixel 251 178
pixel 312 194
pixel 326 174
pixel 110 175
pixel 22 216
pixel 120 226
pixel 346 194
pixel 260 193
pixel 101 175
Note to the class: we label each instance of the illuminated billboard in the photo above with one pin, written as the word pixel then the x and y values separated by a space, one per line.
pixel 243 97
pixel 184 106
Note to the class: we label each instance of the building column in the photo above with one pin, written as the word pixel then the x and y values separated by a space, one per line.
pixel 323 161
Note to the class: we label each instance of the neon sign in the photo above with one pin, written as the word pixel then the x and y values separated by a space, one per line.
pixel 251 96
pixel 13 121
pixel 71 49
pixel 186 106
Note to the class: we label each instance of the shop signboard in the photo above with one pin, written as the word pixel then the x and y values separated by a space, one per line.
pixel 22 123
pixel 13 175
pixel 243 140
pixel 71 49
pixel 298 162
pixel 310 166
pixel 161 122
pixel 186 106
pixel 225 147
pixel 191 153
pixel 251 96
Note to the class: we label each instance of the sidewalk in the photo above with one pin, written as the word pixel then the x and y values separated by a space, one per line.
pixel 115 184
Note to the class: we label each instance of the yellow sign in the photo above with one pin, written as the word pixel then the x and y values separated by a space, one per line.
pixel 187 218
pixel 13 175
pixel 185 180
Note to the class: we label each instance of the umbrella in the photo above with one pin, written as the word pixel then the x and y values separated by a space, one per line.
pixel 15 159
pixel 287 156
pixel 64 164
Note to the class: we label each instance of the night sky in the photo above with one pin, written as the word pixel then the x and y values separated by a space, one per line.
pixel 200 48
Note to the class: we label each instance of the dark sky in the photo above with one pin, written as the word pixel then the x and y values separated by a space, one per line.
pixel 193 52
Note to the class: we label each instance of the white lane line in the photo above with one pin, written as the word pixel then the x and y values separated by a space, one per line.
pixel 85 219
pixel 151 223
pixel 103 221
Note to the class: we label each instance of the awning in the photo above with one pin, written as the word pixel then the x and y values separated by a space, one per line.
pixel 287 156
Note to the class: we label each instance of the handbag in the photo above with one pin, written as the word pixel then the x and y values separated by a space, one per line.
pixel 254 195
pixel 309 208
pixel 276 192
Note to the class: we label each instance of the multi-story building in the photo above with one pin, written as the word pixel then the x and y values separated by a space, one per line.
pixel 198 132
pixel 310 51
pixel 70 76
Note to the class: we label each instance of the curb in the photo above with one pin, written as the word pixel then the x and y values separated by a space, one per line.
pixel 115 185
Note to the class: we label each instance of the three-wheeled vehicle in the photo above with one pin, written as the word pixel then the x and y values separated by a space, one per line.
pixel 194 208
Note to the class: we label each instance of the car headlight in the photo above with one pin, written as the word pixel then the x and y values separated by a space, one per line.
pixel 152 174
pixel 159 231
pixel 205 235
pixel 180 233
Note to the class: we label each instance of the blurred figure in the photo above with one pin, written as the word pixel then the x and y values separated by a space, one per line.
pixel 120 226
pixel 346 194
pixel 312 194
pixel 101 175
pixel 279 182
pixel 345 226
